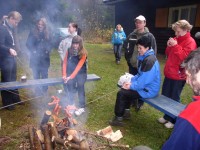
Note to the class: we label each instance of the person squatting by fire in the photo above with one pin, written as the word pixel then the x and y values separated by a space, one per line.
pixel 75 73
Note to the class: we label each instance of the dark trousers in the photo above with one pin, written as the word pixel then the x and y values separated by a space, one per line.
pixel 172 89
pixel 124 100
pixel 132 70
pixel 74 85
pixel 117 51
pixel 8 74
pixel 40 73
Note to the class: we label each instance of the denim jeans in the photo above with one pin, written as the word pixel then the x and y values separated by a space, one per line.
pixel 74 85
pixel 40 73
pixel 117 51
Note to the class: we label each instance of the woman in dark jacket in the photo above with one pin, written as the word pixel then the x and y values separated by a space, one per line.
pixel 39 45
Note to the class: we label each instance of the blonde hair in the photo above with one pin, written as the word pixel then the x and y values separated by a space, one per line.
pixel 183 24
pixel 16 15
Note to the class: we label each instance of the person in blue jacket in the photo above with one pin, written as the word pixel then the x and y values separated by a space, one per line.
pixel 186 133
pixel 118 38
pixel 145 84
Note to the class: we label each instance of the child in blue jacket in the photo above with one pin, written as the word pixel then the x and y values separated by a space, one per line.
pixel 118 38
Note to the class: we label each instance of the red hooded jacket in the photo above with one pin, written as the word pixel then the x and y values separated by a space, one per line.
pixel 175 56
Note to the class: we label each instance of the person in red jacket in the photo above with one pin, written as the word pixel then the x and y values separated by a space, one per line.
pixel 75 73
pixel 178 48
pixel 186 133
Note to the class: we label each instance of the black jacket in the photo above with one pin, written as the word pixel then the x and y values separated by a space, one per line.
pixel 39 48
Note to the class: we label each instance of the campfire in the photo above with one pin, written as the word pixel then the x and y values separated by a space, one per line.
pixel 56 133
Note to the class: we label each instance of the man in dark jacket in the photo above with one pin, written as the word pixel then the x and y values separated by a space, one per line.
pixel 186 133
pixel 7 57
pixel 131 52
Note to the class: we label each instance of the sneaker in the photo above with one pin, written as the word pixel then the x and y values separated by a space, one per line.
pixel 116 122
pixel 127 115
pixel 162 120
pixel 79 111
pixel 169 125
pixel 118 62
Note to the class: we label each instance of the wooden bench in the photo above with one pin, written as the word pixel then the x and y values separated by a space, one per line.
pixel 166 105
pixel 39 82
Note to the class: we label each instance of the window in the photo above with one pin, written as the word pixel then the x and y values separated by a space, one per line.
pixel 184 12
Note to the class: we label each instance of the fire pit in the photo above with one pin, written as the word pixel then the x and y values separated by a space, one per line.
pixel 56 133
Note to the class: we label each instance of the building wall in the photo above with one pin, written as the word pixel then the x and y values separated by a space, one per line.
pixel 125 12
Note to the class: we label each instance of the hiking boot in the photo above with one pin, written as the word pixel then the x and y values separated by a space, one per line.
pixel 116 121
pixel 138 106
pixel 127 114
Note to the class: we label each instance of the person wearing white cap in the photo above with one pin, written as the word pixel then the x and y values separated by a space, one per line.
pixel 131 52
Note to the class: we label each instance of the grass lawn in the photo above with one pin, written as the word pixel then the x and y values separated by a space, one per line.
pixel 142 129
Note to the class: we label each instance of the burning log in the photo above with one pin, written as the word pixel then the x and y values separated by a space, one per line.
pixel 47 140
pixel 40 136
pixel 37 143
pixel 84 145
pixel 31 137
pixel 45 118
pixel 65 143
pixel 54 131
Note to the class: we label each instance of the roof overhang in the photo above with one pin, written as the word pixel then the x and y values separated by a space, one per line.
pixel 110 2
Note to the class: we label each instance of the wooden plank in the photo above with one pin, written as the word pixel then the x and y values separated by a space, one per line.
pixel 39 82
pixel 166 105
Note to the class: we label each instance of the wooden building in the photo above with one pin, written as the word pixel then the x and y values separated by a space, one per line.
pixel 159 15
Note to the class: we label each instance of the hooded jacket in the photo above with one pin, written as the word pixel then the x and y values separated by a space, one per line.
pixel 175 56
pixel 186 133
pixel 131 49
pixel 118 37
pixel 147 81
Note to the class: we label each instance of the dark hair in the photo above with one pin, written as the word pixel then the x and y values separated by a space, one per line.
pixel 144 41
pixel 192 62
pixel 82 50
pixel 74 25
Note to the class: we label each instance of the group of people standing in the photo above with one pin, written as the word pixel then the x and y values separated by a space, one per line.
pixel 40 44
pixel 181 65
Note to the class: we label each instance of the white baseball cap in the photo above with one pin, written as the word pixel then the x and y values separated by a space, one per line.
pixel 140 17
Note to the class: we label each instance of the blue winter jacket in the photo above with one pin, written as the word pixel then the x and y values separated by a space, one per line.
pixel 118 37
pixel 147 81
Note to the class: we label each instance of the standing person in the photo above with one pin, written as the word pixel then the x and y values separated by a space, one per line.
pixel 66 43
pixel 145 84
pixel 118 38
pixel 178 48
pixel 75 72
pixel 8 57
pixel 39 43
pixel 131 52
pixel 185 135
